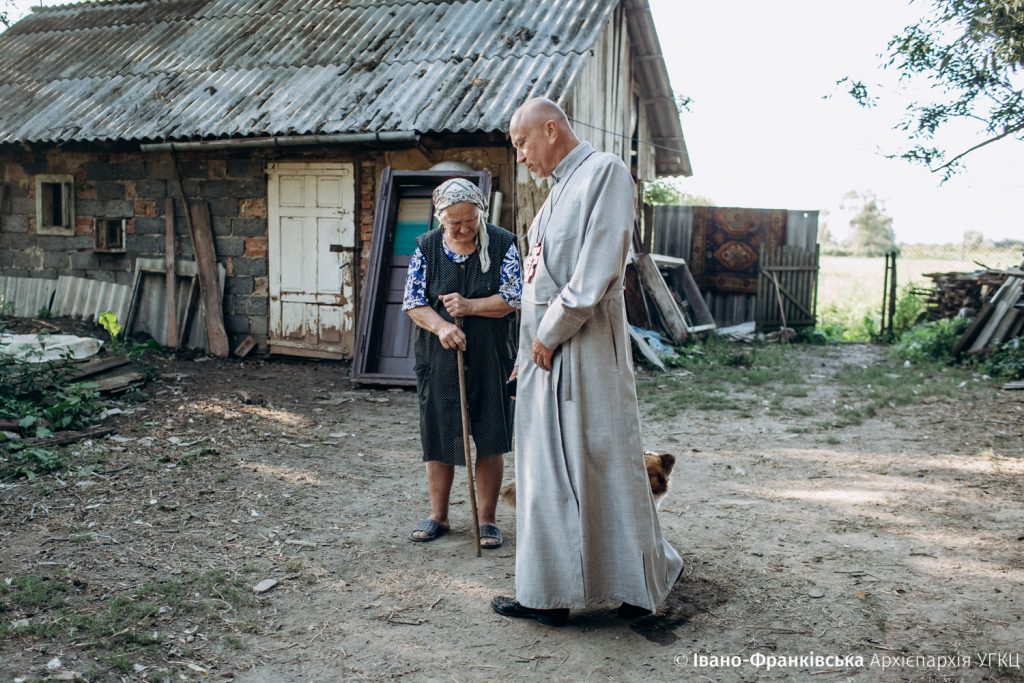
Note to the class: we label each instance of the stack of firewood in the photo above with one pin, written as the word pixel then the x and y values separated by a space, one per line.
pixel 1000 318
pixel 954 292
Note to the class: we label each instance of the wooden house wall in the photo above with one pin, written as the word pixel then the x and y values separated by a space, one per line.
pixel 602 100
pixel 605 106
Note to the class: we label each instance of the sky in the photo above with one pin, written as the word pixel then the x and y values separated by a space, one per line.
pixel 768 126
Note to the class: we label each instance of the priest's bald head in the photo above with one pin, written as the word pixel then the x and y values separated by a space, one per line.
pixel 541 134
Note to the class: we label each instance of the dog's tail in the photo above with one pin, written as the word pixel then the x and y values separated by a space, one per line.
pixel 508 494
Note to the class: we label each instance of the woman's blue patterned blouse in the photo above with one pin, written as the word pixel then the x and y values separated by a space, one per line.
pixel 510 287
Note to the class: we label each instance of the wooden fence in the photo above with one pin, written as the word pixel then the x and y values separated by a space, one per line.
pixel 789 275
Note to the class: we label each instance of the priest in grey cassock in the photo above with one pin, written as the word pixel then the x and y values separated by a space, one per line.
pixel 586 525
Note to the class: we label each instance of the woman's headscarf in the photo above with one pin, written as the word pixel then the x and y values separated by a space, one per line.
pixel 462 191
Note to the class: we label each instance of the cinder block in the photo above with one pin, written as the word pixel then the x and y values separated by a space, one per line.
pixel 238 285
pixel 144 245
pixel 15 223
pixel 258 305
pixel 126 169
pixel 151 189
pixel 109 189
pixel 118 207
pixel 247 167
pixel 224 206
pixel 84 260
pixel 259 326
pixel 56 259
pixel 250 266
pixel 230 246
pixel 237 324
pixel 146 225
pixel 248 227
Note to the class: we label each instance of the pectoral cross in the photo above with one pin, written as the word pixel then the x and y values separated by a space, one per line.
pixel 532 259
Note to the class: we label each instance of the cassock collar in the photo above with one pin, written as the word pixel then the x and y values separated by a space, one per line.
pixel 571 160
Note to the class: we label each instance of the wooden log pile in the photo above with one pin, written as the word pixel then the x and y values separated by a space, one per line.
pixel 954 292
pixel 1000 319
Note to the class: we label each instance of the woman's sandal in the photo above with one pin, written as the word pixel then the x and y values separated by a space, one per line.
pixel 432 529
pixel 491 531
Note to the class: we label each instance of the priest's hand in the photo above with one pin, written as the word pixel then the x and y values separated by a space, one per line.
pixel 451 337
pixel 458 306
pixel 542 355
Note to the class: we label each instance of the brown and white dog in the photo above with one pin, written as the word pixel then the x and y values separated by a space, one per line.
pixel 659 470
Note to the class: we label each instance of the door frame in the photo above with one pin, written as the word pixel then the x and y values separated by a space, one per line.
pixel 371 307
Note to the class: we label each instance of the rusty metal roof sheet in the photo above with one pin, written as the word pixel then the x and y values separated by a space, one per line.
pixel 188 69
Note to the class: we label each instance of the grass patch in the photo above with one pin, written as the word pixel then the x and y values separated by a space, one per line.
pixel 867 392
pixel 716 374
pixel 131 627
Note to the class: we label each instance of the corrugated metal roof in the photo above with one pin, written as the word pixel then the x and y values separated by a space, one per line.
pixel 188 69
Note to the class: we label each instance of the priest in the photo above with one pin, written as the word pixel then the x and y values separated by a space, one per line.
pixel 586 525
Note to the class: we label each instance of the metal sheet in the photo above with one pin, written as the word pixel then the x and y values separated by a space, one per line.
pixel 217 68
pixel 27 295
pixel 150 316
pixel 85 299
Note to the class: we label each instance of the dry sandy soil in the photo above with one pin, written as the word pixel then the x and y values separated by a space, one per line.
pixel 896 542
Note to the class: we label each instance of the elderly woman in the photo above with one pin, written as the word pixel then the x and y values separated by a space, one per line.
pixel 465 269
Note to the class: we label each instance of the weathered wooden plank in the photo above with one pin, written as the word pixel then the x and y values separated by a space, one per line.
pixel 109 384
pixel 171 289
pixel 95 366
pixel 62 438
pixel 968 335
pixel 209 286
pixel 1002 301
pixel 667 307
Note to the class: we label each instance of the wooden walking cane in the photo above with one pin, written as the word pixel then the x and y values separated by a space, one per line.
pixel 465 447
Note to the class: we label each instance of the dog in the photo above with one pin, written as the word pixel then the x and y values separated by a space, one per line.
pixel 659 471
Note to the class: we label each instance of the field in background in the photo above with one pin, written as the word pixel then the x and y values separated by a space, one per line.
pixel 849 287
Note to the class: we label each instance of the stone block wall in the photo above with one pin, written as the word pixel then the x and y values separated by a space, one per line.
pixel 112 181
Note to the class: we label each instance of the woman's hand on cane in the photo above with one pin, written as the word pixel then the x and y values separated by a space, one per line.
pixel 457 305
pixel 451 337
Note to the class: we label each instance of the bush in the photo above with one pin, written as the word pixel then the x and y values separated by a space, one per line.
pixel 40 397
pixel 909 307
pixel 930 342
pixel 1006 362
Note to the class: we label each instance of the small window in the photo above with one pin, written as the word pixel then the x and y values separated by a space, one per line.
pixel 55 205
pixel 109 234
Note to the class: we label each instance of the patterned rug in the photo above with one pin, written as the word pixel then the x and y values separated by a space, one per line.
pixel 726 243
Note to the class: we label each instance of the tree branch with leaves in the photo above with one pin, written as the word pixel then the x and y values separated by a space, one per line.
pixel 971 54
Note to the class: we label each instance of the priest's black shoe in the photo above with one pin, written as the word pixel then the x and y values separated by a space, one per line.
pixel 510 607
pixel 628 611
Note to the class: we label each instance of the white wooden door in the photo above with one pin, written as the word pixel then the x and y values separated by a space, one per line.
pixel 312 269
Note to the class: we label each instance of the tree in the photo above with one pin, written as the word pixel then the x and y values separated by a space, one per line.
pixel 871 232
pixel 973 239
pixel 666 191
pixel 971 54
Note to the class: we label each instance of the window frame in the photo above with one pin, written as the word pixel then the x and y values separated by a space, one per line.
pixel 67 197
pixel 99 231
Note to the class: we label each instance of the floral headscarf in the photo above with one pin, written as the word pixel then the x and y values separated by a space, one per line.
pixel 462 191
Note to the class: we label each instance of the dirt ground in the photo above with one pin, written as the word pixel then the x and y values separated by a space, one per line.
pixel 885 551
